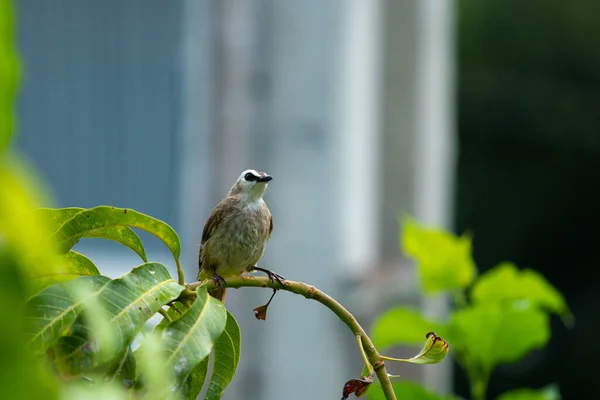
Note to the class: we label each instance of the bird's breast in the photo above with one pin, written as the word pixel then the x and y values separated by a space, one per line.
pixel 239 241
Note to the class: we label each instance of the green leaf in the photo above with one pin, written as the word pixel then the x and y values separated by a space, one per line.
pixel 226 357
pixel 87 221
pixel 548 393
pixel 56 217
pixel 191 338
pixel 401 326
pixel 79 264
pixel 434 351
pixel 9 75
pixel 122 369
pixel 155 380
pixel 406 390
pixel 193 384
pixel 505 283
pixel 491 334
pixel 71 265
pixel 98 390
pixel 51 312
pixel 127 303
pixel 443 259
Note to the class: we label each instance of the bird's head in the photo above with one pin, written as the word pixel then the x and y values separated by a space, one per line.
pixel 251 184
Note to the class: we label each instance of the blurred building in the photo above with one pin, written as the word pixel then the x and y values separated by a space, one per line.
pixel 159 105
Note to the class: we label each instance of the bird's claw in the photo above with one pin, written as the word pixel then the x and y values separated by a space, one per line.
pixel 219 280
pixel 273 276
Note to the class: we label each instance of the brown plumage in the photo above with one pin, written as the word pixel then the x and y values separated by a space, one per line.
pixel 236 232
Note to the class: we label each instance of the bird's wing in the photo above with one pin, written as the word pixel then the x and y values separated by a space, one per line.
pixel 270 225
pixel 214 220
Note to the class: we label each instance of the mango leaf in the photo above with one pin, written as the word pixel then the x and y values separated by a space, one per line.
pixel 122 369
pixel 156 378
pixel 191 338
pixel 85 222
pixel 193 384
pixel 407 390
pixel 491 334
pixel 56 217
pixel 51 312
pixel 505 283
pixel 547 393
pixel 402 326
pixel 72 265
pixel 226 357
pixel 79 264
pixel 443 259
pixel 126 303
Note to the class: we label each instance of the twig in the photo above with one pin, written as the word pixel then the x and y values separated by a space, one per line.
pixel 311 292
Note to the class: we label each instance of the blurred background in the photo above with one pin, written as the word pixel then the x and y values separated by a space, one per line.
pixel 470 115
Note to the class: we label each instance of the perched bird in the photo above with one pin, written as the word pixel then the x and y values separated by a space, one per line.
pixel 237 230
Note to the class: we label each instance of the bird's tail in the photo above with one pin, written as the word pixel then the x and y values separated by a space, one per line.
pixel 219 294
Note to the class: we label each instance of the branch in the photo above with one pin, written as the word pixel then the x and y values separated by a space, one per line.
pixel 311 292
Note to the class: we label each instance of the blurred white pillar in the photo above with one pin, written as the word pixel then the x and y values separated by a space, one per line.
pixel 435 141
pixel 195 160
pixel 358 136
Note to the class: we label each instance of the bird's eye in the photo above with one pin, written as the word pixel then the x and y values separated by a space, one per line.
pixel 250 177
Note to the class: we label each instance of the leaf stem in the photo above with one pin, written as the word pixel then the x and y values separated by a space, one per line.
pixel 311 292
pixel 164 314
pixel 364 356
pixel 180 276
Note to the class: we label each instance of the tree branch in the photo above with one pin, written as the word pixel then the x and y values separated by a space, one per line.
pixel 311 292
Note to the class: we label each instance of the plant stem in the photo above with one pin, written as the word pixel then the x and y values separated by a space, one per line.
pixel 311 292
pixel 180 276
pixel 164 314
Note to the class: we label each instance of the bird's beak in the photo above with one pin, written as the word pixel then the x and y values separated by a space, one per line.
pixel 265 178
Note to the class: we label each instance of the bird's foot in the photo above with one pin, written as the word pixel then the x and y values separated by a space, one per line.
pixel 273 276
pixel 219 280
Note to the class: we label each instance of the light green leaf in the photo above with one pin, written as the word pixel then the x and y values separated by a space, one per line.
pixel 191 338
pixel 156 377
pixel 491 334
pixel 406 390
pixel 9 75
pixel 505 282
pixel 548 393
pixel 226 357
pixel 402 326
pixel 70 266
pixel 81 390
pixel 57 217
pixel 85 222
pixel 79 264
pixel 434 351
pixel 443 259
pixel 51 312
pixel 193 384
pixel 126 304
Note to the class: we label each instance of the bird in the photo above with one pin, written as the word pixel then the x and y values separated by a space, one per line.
pixel 236 233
